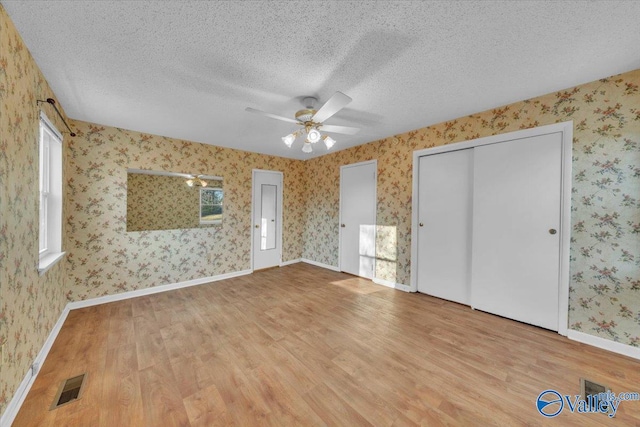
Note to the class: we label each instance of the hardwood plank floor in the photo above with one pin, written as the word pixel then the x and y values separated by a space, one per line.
pixel 301 345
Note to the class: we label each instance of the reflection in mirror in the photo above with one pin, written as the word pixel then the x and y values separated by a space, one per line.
pixel 210 205
pixel 268 215
pixel 165 201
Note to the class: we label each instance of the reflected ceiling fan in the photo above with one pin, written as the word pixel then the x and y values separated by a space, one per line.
pixel 312 121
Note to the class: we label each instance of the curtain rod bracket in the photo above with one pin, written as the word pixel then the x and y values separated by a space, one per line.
pixel 53 103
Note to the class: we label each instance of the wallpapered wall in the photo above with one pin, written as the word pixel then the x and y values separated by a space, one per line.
pixel 158 202
pixel 605 240
pixel 105 259
pixel 29 304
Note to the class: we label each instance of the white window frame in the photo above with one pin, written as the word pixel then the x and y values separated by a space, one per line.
pixel 215 221
pixel 50 195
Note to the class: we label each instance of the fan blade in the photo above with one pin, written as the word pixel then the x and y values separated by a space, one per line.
pixel 346 130
pixel 273 116
pixel 336 103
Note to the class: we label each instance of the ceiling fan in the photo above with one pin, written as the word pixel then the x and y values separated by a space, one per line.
pixel 312 121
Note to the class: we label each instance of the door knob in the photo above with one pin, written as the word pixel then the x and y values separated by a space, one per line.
pixel 342 225
pixel 552 231
pixel 257 225
pixel 421 224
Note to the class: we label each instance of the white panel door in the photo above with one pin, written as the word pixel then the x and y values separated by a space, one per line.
pixel 357 218
pixel 516 220
pixel 267 219
pixel 444 228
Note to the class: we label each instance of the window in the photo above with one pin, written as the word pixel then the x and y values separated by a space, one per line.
pixel 50 237
pixel 211 205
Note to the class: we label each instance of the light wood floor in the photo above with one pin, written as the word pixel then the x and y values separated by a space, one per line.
pixel 301 345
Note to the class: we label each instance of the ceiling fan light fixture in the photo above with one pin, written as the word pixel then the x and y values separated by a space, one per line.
pixel 311 120
pixel 196 181
pixel 306 148
pixel 313 136
pixel 288 140
pixel 328 141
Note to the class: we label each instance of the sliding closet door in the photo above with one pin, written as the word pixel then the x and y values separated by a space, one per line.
pixel 444 228
pixel 516 219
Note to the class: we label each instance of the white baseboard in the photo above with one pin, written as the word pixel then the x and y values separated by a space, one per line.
pixel 393 285
pixel 383 282
pixel 154 290
pixel 23 389
pixel 319 264
pixel 605 344
pixel 293 261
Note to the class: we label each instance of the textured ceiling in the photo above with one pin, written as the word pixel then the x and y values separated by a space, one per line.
pixel 188 69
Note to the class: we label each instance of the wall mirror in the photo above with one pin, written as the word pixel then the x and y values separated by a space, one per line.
pixel 168 200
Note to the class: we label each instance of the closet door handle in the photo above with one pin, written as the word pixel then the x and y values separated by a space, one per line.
pixel 552 231
pixel 342 225
pixel 421 224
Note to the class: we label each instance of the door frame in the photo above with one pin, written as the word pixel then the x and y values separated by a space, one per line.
pixel 566 129
pixel 278 207
pixel 375 211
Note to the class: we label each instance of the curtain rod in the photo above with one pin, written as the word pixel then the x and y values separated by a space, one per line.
pixel 53 103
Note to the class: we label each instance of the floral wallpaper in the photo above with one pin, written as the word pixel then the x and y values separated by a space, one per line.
pixel 30 304
pixel 103 258
pixel 156 202
pixel 605 240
